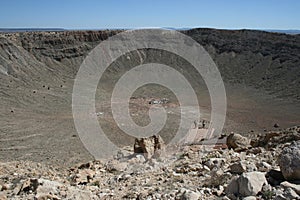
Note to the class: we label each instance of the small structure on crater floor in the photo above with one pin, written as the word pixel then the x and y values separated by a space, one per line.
pixel 159 101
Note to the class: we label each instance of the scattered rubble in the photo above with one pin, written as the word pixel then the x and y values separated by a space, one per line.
pixel 188 173
pixel 273 138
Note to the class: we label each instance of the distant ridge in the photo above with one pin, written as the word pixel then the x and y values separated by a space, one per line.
pixel 14 30
pixel 288 31
pixel 292 32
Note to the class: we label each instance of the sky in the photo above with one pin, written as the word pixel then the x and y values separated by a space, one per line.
pixel 111 14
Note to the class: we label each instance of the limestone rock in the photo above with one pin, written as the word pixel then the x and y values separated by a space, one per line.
pixel 115 165
pixel 295 187
pixel 46 197
pixel 46 188
pixel 149 147
pixel 84 176
pixel 248 184
pixel 237 142
pixel 289 161
pixel 251 183
pixel 264 167
pixel 77 194
pixel 190 195
pixel 250 198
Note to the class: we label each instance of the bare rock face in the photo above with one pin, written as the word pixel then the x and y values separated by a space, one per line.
pixel 289 161
pixel 237 142
pixel 151 146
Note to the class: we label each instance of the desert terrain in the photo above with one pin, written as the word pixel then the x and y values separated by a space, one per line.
pixel 42 156
pixel 260 71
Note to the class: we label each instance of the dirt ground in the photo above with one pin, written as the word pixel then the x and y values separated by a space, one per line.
pixel 46 131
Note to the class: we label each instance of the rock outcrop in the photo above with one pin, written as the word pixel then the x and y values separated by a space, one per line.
pixel 237 142
pixel 153 146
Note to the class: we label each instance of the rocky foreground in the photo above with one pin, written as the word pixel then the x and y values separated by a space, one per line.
pixel 264 167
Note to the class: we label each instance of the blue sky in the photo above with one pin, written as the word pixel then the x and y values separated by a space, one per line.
pixel 99 14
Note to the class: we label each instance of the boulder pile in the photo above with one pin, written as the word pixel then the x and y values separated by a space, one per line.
pixel 191 172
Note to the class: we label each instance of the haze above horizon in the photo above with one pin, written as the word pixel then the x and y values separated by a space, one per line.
pixel 93 14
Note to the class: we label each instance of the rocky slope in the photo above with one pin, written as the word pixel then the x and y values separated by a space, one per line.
pixel 190 173
pixel 255 58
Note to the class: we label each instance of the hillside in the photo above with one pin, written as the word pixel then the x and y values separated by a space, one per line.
pixel 263 60
pixel 37 70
